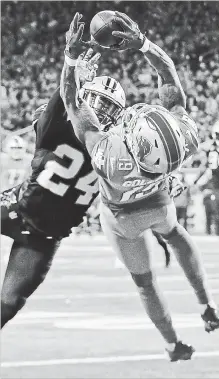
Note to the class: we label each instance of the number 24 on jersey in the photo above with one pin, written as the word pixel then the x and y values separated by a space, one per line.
pixel 87 184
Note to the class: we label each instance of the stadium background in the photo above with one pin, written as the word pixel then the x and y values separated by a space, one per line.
pixel 33 38
pixel 86 320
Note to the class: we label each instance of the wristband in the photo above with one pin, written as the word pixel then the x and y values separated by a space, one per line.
pixel 145 46
pixel 70 61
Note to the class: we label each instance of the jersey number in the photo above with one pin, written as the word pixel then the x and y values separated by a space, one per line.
pixel 135 194
pixel 87 184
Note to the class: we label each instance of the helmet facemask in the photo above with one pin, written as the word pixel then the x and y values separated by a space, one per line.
pixel 106 97
pixel 106 110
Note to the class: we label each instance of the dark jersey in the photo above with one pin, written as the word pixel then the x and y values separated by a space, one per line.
pixel 63 183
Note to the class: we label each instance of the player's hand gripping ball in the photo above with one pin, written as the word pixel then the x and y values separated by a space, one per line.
pixel 101 27
pixel 116 31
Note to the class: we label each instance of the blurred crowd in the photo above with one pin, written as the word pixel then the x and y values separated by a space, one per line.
pixel 33 39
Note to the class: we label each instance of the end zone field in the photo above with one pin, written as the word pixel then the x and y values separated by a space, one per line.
pixel 86 320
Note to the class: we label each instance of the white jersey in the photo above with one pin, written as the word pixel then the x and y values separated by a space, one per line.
pixel 121 181
pixel 14 172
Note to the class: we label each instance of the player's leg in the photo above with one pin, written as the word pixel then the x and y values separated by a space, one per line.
pixel 29 262
pixel 188 256
pixel 135 253
pixel 208 215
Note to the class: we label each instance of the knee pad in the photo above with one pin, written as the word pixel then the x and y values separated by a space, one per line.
pixel 143 280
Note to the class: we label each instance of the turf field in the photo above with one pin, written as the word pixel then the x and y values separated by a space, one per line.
pixel 87 321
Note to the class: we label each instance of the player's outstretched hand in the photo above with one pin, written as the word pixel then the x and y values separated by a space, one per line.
pixel 132 36
pixel 74 43
pixel 86 67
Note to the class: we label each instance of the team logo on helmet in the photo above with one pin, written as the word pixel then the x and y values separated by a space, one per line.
pixel 144 147
pixel 155 139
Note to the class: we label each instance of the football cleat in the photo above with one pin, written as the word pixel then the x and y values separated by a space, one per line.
pixel 211 319
pixel 182 352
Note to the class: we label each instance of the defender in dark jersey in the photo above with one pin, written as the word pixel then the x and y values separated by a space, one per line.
pixel 41 211
pixel 63 183
pixel 62 186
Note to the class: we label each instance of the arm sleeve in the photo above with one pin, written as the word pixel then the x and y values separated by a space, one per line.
pixel 100 157
pixel 106 156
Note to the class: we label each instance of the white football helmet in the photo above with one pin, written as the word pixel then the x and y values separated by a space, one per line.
pixel 154 138
pixel 107 98
pixel 15 147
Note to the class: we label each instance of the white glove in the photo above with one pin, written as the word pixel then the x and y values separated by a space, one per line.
pixel 86 67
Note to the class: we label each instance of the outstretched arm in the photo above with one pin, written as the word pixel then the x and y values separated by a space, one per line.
pixel 82 117
pixel 76 71
pixel 170 90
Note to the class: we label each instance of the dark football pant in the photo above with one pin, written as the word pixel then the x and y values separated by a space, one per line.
pixel 30 260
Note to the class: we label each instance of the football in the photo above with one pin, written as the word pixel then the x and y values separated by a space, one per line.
pixel 101 27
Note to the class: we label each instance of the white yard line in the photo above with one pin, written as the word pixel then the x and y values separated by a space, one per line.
pixel 106 295
pixel 102 238
pixel 98 321
pixel 93 277
pixel 78 261
pixel 100 360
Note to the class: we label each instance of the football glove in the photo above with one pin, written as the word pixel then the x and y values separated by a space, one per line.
pixel 132 36
pixel 74 43
pixel 86 67
pixel 85 70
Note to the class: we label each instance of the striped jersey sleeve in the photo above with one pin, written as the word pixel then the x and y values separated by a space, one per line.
pixel 100 157
pixel 106 157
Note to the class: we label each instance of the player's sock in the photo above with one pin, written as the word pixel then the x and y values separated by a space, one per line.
pixel 155 305
pixel 189 259
pixel 171 346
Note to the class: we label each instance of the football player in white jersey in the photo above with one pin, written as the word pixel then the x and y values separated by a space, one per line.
pixel 15 162
pixel 133 162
